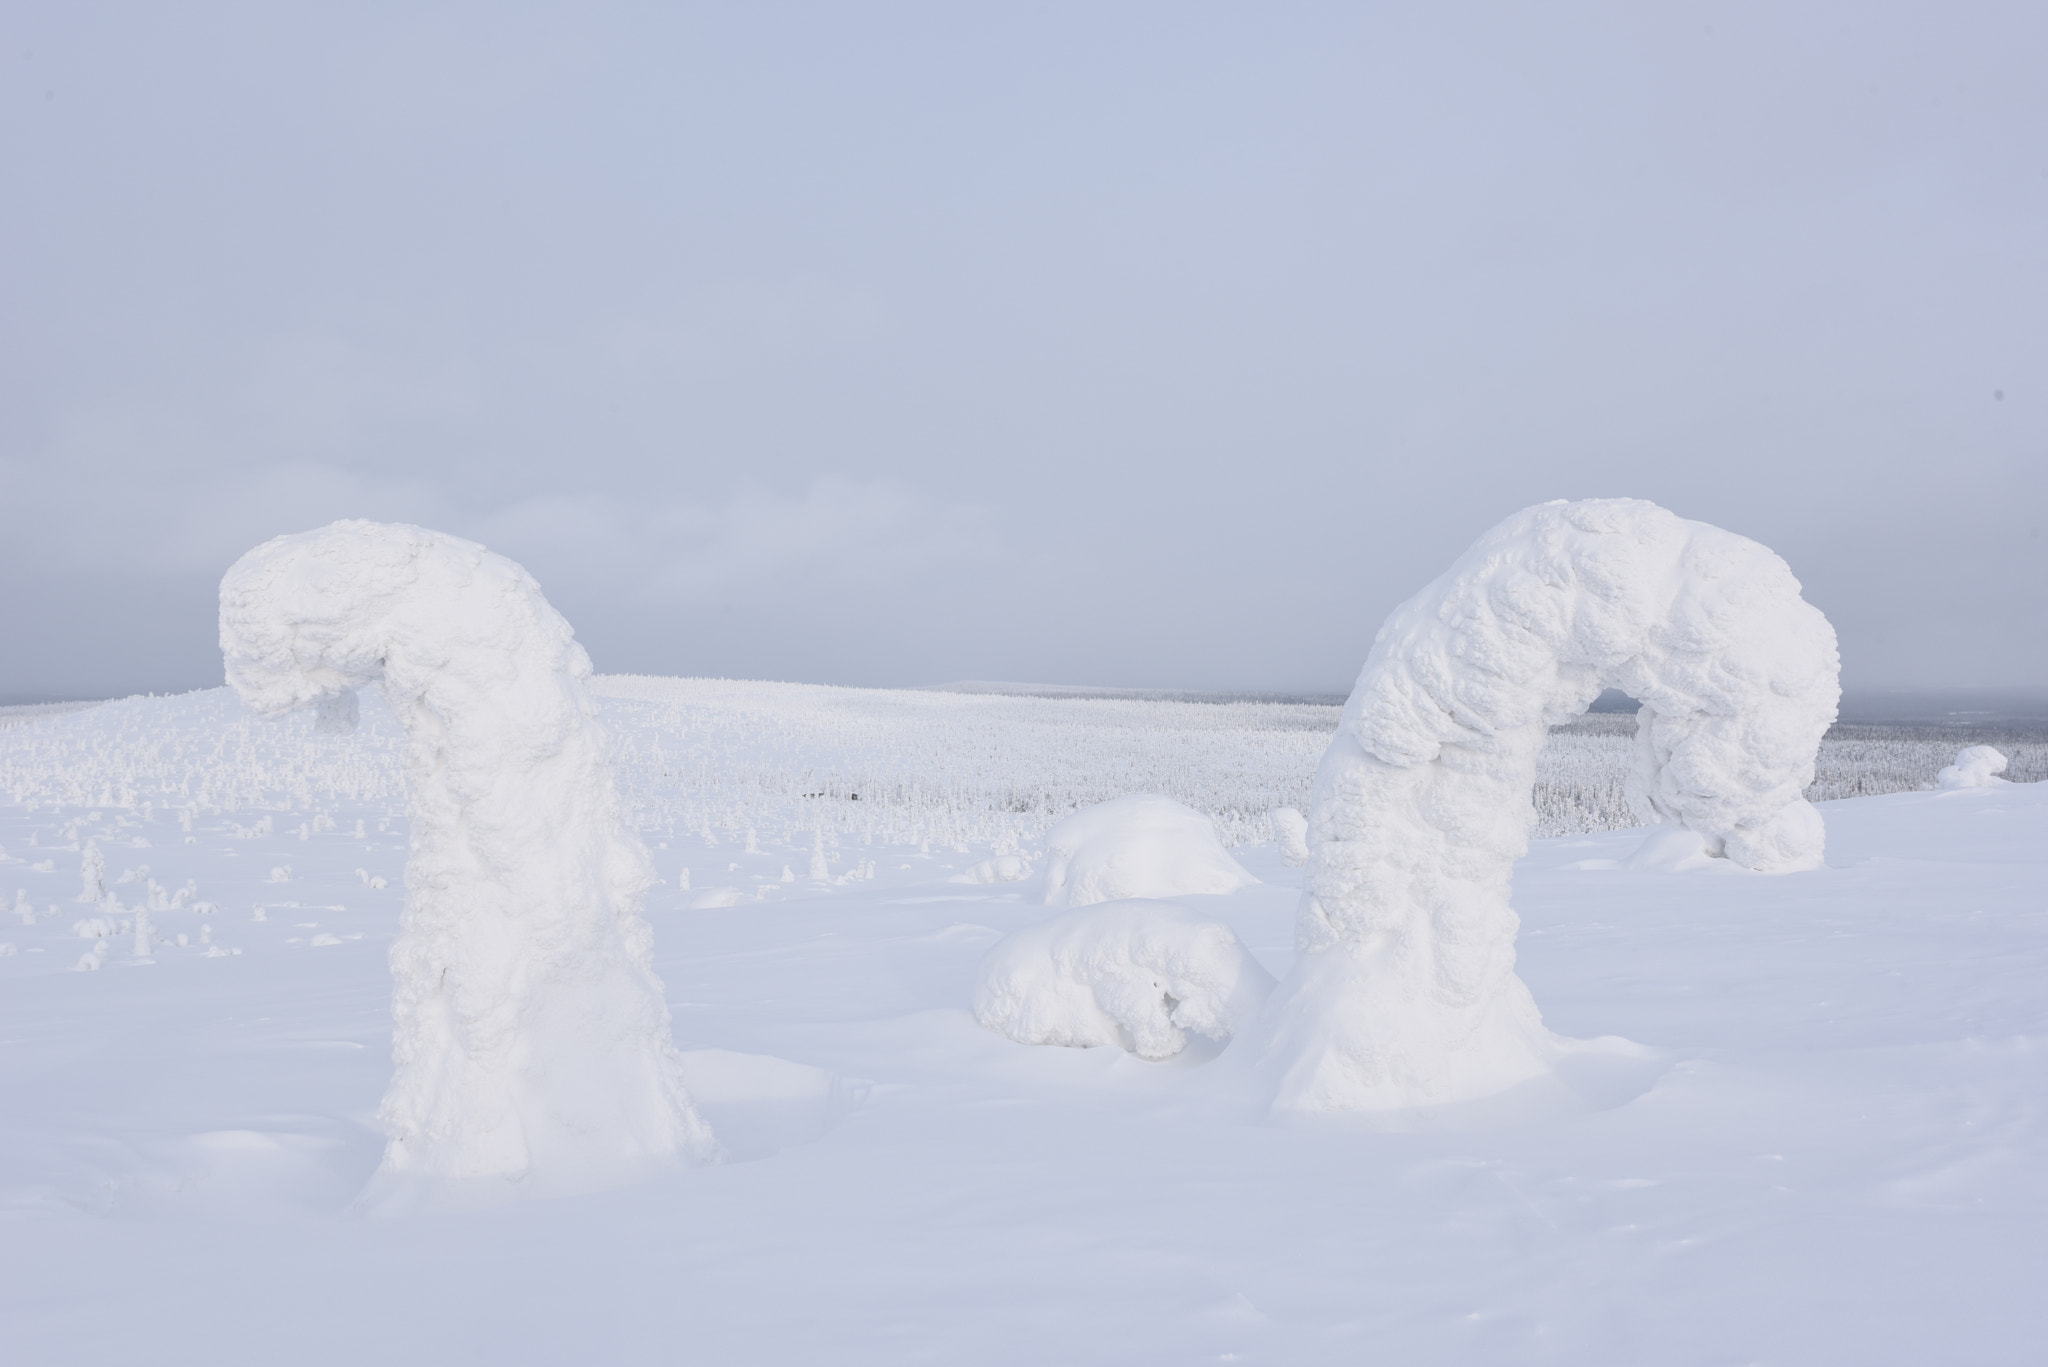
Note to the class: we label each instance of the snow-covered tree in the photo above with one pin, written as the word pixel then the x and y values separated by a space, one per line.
pixel 1405 991
pixel 92 874
pixel 531 1035
pixel 1977 766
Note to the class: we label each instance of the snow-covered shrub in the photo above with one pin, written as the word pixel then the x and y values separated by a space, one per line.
pixel 1138 846
pixel 908 766
pixel 1290 833
pixel 531 1036
pixel 1405 991
pixel 92 873
pixel 1977 767
pixel 1139 974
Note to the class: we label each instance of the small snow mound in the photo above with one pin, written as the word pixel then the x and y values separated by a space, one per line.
pixel 1977 767
pixel 1139 846
pixel 1134 973
pixel 717 897
pixel 1004 868
pixel 1672 849
pixel 1290 832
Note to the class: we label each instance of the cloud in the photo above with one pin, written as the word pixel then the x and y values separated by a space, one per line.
pixel 754 544
pixel 840 533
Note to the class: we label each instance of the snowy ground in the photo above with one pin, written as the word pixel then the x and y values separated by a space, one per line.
pixel 1838 1155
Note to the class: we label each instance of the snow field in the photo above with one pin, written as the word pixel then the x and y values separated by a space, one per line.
pixel 1835 1151
pixel 930 768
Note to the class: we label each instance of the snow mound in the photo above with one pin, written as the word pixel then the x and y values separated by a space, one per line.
pixel 1405 992
pixel 1672 849
pixel 1979 766
pixel 531 1036
pixel 1134 973
pixel 1139 846
pixel 1004 868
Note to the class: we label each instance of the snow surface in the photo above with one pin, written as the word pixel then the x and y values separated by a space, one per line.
pixel 1143 845
pixel 1835 1150
pixel 1136 973
pixel 532 1040
pixel 1978 766
pixel 1406 994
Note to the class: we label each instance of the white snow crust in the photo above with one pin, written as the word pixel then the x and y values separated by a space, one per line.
pixel 1405 993
pixel 1135 973
pixel 531 1037
pixel 1138 846
pixel 1977 766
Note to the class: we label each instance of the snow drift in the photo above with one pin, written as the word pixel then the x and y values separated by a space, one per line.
pixel 1405 992
pixel 1139 846
pixel 531 1037
pixel 1134 973
pixel 1978 766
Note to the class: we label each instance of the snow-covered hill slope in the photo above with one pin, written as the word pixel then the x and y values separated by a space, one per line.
pixel 1834 1151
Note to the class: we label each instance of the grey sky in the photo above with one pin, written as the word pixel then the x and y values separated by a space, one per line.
pixel 1162 345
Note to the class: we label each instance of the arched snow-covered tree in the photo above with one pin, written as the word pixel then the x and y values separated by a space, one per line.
pixel 1405 991
pixel 531 1036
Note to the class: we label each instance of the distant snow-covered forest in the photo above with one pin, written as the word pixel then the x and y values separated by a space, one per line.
pixel 898 766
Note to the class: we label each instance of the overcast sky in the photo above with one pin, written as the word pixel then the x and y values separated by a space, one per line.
pixel 1160 345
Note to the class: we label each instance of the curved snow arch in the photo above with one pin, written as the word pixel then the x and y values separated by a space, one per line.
pixel 531 1037
pixel 1405 991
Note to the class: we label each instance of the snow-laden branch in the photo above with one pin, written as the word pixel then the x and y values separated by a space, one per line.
pixel 531 1036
